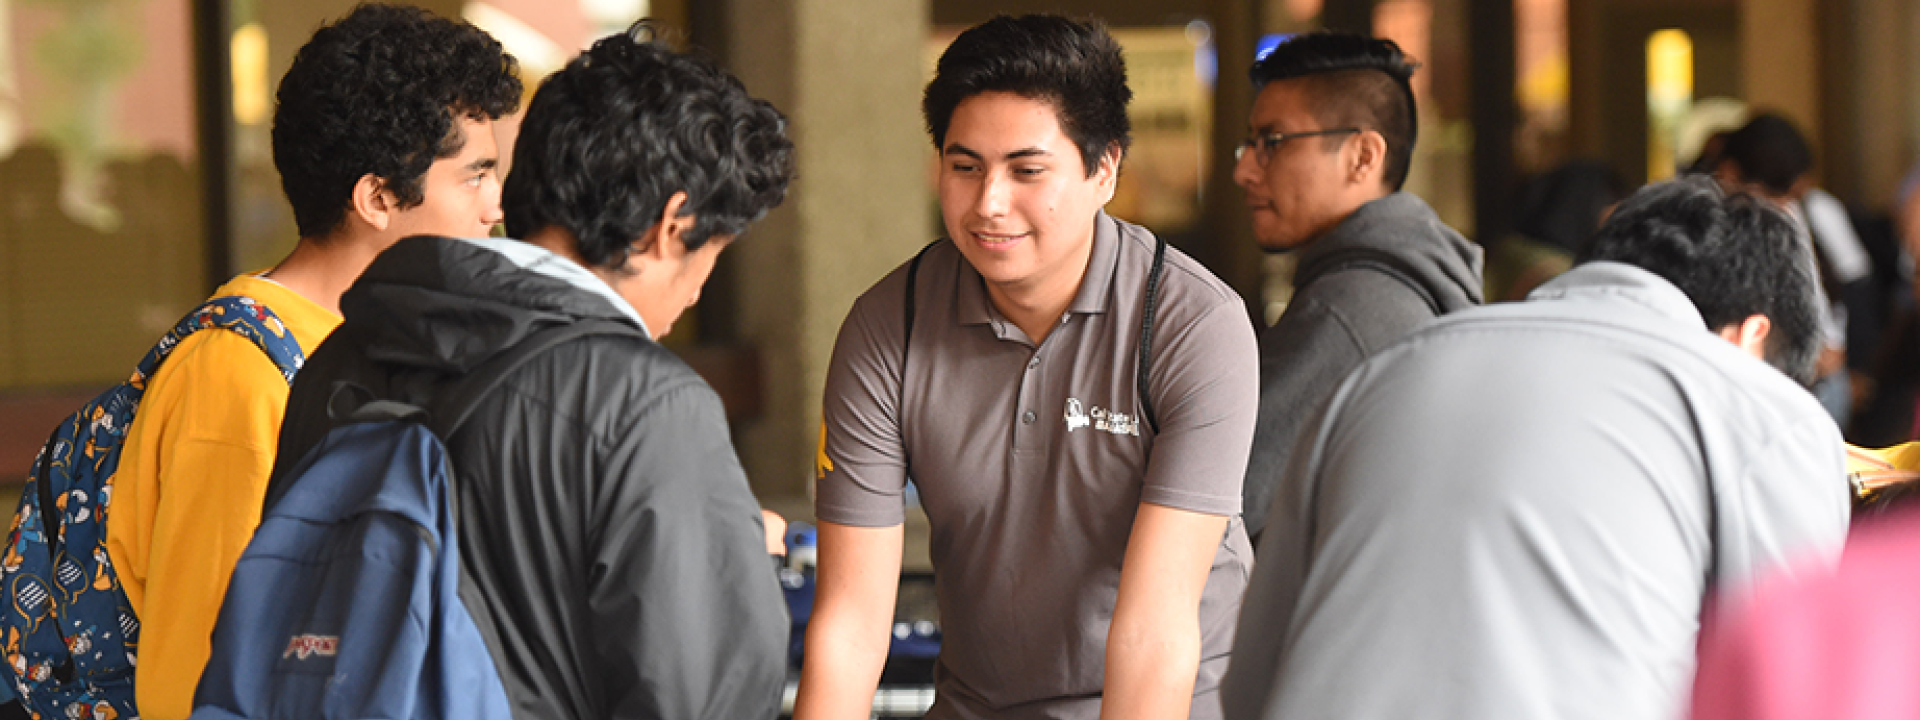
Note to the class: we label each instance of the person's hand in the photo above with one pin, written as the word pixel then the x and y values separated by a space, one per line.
pixel 776 532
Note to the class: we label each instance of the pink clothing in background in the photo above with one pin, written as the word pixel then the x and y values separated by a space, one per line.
pixel 1844 646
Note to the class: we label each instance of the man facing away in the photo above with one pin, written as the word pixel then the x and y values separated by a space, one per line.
pixel 1329 143
pixel 1083 512
pixel 611 549
pixel 1519 511
pixel 383 130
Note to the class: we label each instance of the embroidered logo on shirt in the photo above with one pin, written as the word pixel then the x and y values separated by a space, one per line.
pixel 1101 419
pixel 821 463
pixel 1076 416
pixel 306 646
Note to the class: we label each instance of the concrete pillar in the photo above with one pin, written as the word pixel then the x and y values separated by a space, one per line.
pixel 848 75
pixel 1865 157
pixel 1780 58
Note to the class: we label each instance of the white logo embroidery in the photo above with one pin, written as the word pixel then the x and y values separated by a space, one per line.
pixel 1076 417
pixel 1101 419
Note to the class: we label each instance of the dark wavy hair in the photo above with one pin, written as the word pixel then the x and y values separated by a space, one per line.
pixel 1769 151
pixel 611 137
pixel 377 92
pixel 1734 255
pixel 1354 81
pixel 1075 66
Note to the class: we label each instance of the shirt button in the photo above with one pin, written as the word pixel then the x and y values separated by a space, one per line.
pixel 1034 363
pixel 1027 418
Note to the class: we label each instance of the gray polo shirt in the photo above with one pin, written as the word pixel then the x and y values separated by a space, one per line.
pixel 1031 462
pixel 1518 511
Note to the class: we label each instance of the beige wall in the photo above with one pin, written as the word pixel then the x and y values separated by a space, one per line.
pixel 847 75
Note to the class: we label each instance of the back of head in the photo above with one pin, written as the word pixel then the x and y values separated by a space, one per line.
pixel 377 93
pixel 611 137
pixel 1075 66
pixel 1734 255
pixel 1769 152
pixel 1355 81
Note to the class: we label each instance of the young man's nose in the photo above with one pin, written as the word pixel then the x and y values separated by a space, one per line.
pixel 994 197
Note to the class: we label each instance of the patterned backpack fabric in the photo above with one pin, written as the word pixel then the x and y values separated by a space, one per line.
pixel 68 634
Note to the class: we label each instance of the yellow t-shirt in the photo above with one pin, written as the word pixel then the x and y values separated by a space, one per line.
pixel 187 494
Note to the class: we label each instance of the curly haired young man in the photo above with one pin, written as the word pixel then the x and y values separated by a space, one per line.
pixel 383 129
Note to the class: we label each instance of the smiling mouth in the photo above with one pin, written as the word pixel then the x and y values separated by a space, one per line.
pixel 994 241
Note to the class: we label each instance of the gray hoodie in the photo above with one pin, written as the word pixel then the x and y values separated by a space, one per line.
pixel 1382 272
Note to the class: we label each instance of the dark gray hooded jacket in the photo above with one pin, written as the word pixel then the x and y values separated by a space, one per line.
pixel 611 551
pixel 1386 269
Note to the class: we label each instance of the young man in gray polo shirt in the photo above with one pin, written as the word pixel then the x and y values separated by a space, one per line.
pixel 1519 511
pixel 1085 534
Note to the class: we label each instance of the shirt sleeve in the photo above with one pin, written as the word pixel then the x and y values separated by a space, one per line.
pixel 212 431
pixel 1205 386
pixel 1789 511
pixel 680 590
pixel 1273 589
pixel 861 471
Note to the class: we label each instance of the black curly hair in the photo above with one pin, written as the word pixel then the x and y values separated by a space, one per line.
pixel 1354 81
pixel 1734 255
pixel 1076 66
pixel 611 137
pixel 377 92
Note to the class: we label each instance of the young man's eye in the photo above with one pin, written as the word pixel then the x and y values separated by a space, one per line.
pixel 963 167
pixel 1031 171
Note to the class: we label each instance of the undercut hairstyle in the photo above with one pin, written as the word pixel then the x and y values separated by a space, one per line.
pixel 1770 152
pixel 1074 66
pixel 1352 81
pixel 611 137
pixel 378 93
pixel 1734 255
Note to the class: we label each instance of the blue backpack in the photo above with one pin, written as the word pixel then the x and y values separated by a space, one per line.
pixel 68 632
pixel 346 604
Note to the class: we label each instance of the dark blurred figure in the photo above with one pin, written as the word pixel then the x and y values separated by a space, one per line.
pixel 1771 158
pixel 1555 213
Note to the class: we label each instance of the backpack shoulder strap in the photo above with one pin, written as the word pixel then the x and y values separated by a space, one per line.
pixel 1146 331
pixel 453 406
pixel 913 278
pixel 244 315
pixel 1382 263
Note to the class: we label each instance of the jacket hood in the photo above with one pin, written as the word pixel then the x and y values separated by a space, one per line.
pixel 446 305
pixel 1401 226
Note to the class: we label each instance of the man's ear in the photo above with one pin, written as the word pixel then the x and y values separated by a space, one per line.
pixel 1108 172
pixel 665 239
pixel 1368 158
pixel 373 202
pixel 1750 335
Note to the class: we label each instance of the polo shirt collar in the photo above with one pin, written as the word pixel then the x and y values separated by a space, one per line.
pixel 1095 293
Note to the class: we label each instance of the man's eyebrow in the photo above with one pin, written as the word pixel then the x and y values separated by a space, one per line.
pixel 958 149
pixel 486 163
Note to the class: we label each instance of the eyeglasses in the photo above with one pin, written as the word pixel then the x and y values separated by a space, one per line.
pixel 1264 145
